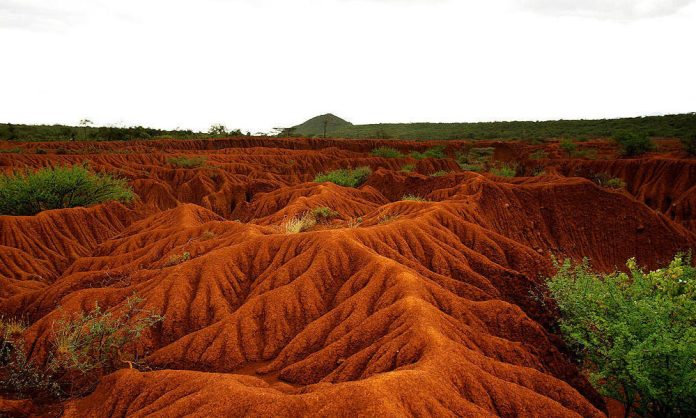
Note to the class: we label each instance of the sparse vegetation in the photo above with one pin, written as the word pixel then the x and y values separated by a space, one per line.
pixel 568 146
pixel 300 223
pixel 635 333
pixel 408 168
pixel 504 170
pixel 386 218
pixel 633 143
pixel 414 198
pixel 58 187
pixel 187 162
pixel 439 173
pixel 615 183
pixel 434 152
pixel 15 150
pixel 323 213
pixel 178 259
pixel 472 167
pixel 386 152
pixel 345 177
pixel 476 159
pixel 689 144
pixel 83 348
pixel 207 235
pixel 539 154
pixel 40 151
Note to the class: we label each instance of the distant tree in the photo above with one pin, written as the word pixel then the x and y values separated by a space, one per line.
pixel 690 144
pixel 634 143
pixel 217 129
pixel 85 124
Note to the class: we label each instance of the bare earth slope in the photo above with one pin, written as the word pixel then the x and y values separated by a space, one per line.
pixel 391 308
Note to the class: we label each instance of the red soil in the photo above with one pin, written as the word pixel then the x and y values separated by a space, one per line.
pixel 392 308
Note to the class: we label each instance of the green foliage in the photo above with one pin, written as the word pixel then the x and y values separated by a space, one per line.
pixel 414 198
pixel 61 151
pixel 408 168
pixel 439 173
pixel 345 177
pixel 41 151
pixel 689 144
pixel 386 152
pixel 634 143
pixel 589 153
pixel 635 333
pixel 83 348
pixel 220 130
pixel 674 126
pixel 58 187
pixel 14 150
pixel 434 152
pixel 539 154
pixel 568 146
pixel 187 162
pixel 178 259
pixel 505 170
pixel 323 213
pixel 315 127
pixel 475 159
pixel 70 133
pixel 615 183
pixel 472 167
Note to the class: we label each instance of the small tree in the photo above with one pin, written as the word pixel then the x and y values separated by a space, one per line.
pixel 569 146
pixel 690 144
pixel 633 143
pixel 634 333
pixel 217 129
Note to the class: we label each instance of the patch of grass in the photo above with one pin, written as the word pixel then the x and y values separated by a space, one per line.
pixel 539 154
pixel 475 159
pixel 323 213
pixel 386 152
pixel 505 170
pixel 178 259
pixel 187 162
pixel 207 235
pixel 15 150
pixel 387 218
pixel 300 224
pixel 440 173
pixel 355 222
pixel 408 168
pixel 589 153
pixel 633 143
pixel 615 183
pixel 472 167
pixel 40 151
pixel 61 151
pixel 689 144
pixel 568 146
pixel 345 177
pixel 434 152
pixel 414 198
pixel 29 193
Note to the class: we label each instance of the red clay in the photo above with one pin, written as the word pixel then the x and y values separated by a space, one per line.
pixel 392 308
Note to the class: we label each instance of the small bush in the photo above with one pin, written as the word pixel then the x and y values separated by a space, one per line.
pixel 471 167
pixel 505 170
pixel 386 152
pixel 475 159
pixel 300 224
pixel 589 153
pixel 539 154
pixel 15 150
pixel 61 151
pixel 439 173
pixel 40 151
pixel 434 152
pixel 187 162
pixel 208 235
pixel 323 213
pixel 387 218
pixel 345 177
pixel 408 168
pixel 632 143
pixel 414 198
pixel 568 146
pixel 57 188
pixel 615 183
pixel 178 259
pixel 689 144
pixel 634 332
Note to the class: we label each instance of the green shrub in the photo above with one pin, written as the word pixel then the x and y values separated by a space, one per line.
pixel 689 144
pixel 178 259
pixel 61 151
pixel 434 152
pixel 386 152
pixel 505 170
pixel 539 154
pixel 15 150
pixel 323 213
pixel 439 173
pixel 615 183
pixel 408 168
pixel 589 153
pixel 414 198
pixel 187 162
pixel 40 151
pixel 471 167
pixel 475 159
pixel 345 177
pixel 58 187
pixel 633 143
pixel 568 146
pixel 635 333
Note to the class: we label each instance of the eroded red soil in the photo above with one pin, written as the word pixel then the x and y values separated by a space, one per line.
pixel 392 308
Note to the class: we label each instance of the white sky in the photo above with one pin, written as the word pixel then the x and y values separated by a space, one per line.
pixel 258 64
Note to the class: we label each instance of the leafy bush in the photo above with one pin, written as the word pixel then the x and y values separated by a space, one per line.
pixel 434 152
pixel 615 183
pixel 635 333
pixel 408 168
pixel 568 146
pixel 345 177
pixel 58 187
pixel 505 170
pixel 689 144
pixel 187 162
pixel 471 167
pixel 386 152
pixel 589 153
pixel 539 154
pixel 632 143
pixel 439 173
pixel 41 151
pixel 414 198
pixel 323 213
pixel 15 150
pixel 475 159
pixel 178 259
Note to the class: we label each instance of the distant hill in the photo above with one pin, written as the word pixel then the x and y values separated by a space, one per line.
pixel 677 126
pixel 315 126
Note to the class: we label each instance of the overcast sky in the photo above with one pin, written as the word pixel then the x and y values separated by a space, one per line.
pixel 259 64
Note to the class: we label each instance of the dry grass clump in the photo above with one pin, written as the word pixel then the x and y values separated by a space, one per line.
pixel 414 198
pixel 300 224
pixel 178 259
